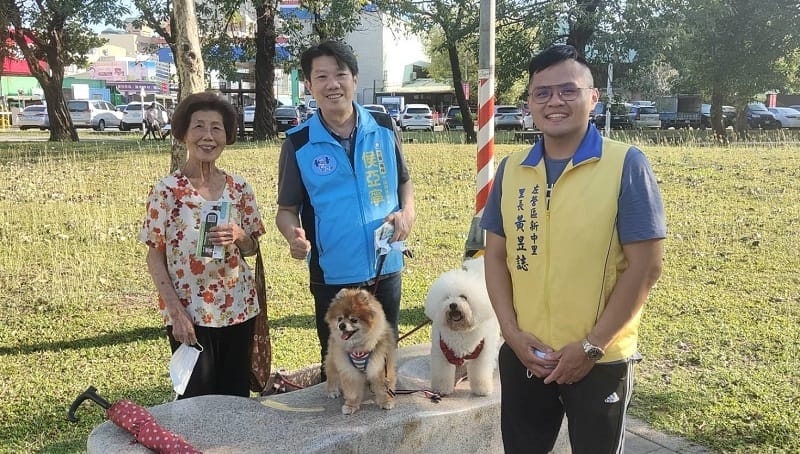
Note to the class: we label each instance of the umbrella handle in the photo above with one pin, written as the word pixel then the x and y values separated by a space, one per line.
pixel 90 393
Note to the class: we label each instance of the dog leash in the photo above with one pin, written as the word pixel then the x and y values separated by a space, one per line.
pixel 433 396
pixel 424 322
pixel 381 260
pixel 281 385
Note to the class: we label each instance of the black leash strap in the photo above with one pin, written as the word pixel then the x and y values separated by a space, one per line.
pixel 434 397
pixel 424 322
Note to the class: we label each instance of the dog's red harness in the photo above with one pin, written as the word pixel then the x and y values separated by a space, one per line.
pixel 458 360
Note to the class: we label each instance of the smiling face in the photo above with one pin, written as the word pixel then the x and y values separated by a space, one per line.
pixel 205 138
pixel 332 87
pixel 557 118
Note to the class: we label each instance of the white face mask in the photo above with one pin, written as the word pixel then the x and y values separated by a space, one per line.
pixel 181 366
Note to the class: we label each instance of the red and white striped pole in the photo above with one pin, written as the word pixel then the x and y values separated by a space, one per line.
pixel 476 240
pixel 485 139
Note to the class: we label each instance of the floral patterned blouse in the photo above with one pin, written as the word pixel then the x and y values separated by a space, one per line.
pixel 216 292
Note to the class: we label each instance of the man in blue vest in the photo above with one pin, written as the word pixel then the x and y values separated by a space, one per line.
pixel 574 243
pixel 342 176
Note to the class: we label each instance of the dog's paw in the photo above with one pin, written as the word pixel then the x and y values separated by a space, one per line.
pixel 443 387
pixel 388 405
pixel 481 392
pixel 348 410
pixel 333 394
pixel 481 388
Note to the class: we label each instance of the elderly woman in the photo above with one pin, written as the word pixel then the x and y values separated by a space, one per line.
pixel 206 289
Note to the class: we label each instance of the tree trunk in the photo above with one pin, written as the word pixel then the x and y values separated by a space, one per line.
pixel 61 128
pixel 51 81
pixel 717 120
pixel 466 114
pixel 582 29
pixel 741 122
pixel 264 120
pixel 189 63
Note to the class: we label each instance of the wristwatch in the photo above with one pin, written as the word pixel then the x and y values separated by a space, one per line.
pixel 593 352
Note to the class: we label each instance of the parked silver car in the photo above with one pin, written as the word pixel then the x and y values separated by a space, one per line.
pixel 249 116
pixel 645 116
pixel 93 113
pixel 34 117
pixel 508 117
pixel 787 117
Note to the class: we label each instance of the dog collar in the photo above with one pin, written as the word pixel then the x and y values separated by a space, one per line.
pixel 359 360
pixel 458 360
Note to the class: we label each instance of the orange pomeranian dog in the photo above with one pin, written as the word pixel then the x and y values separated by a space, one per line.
pixel 361 350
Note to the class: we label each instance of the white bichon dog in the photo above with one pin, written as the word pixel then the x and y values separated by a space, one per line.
pixel 465 329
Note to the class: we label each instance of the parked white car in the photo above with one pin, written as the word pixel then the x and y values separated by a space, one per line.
pixel 787 117
pixel 527 121
pixel 375 107
pixel 94 113
pixel 132 117
pixel 416 116
pixel 311 108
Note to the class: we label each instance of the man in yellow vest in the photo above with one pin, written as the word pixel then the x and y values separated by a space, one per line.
pixel 574 243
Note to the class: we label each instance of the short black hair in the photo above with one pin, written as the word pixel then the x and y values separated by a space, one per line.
pixel 205 101
pixel 340 51
pixel 554 55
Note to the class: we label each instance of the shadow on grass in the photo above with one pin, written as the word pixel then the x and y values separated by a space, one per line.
pixel 407 316
pixel 102 340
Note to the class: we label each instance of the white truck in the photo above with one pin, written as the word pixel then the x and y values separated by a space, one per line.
pixel 394 105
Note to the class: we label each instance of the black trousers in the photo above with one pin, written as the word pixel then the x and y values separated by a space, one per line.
pixel 224 365
pixel 388 294
pixel 531 411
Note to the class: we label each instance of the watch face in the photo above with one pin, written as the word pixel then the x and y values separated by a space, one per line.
pixel 594 353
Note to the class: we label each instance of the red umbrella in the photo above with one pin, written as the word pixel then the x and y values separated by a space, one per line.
pixel 138 421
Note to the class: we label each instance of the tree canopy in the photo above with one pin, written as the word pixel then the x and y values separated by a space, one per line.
pixel 51 36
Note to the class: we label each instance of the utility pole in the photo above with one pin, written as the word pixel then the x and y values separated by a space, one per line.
pixel 476 240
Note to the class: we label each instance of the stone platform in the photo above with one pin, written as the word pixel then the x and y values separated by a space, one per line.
pixel 307 421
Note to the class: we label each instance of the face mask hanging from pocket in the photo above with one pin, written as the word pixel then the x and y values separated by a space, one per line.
pixel 181 366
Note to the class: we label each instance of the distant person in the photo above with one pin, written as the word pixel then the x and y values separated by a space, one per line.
pixel 341 176
pixel 203 300
pixel 139 71
pixel 150 122
pixel 575 228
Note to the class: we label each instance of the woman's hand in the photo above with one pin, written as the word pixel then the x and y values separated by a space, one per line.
pixel 182 326
pixel 223 235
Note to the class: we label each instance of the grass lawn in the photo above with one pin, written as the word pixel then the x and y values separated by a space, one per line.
pixel 719 335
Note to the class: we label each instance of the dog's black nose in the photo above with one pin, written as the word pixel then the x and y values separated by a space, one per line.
pixel 342 327
pixel 453 306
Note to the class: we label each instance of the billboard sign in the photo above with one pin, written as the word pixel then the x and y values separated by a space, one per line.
pixel 108 70
pixel 141 70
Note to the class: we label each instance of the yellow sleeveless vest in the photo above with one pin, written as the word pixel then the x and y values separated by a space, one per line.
pixel 564 259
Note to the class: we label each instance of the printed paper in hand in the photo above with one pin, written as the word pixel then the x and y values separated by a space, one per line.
pixel 211 215
pixel 382 236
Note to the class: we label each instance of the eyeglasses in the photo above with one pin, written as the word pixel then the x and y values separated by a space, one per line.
pixel 567 92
